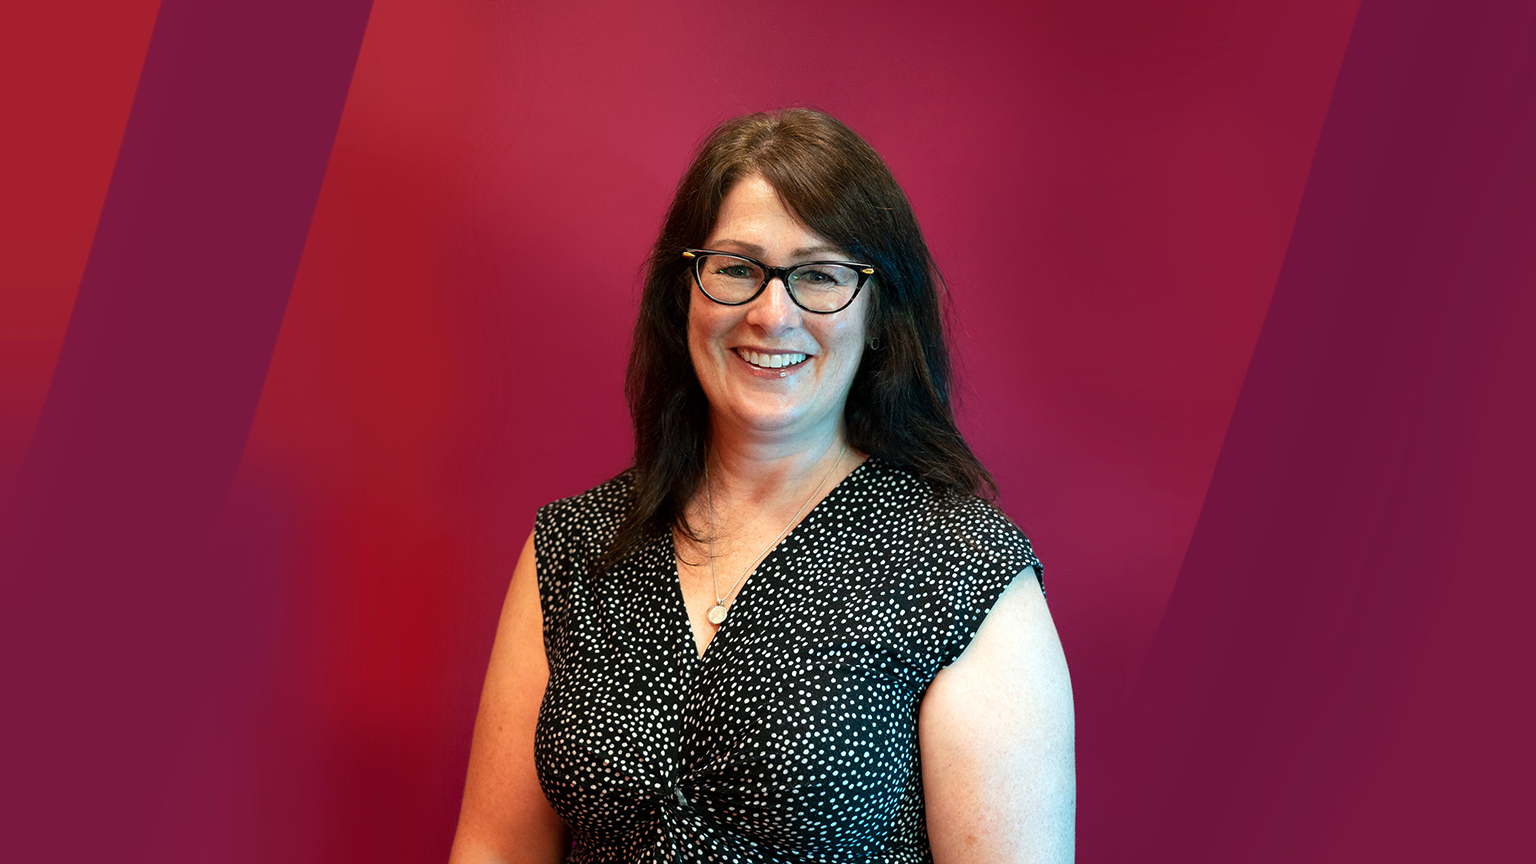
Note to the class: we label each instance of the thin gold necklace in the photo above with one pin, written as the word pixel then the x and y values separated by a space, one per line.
pixel 718 611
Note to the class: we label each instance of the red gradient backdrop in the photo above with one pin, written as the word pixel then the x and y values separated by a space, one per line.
pixel 70 73
pixel 1109 191
pixel 1109 186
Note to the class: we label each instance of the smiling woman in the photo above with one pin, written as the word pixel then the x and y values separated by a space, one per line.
pixel 766 364
pixel 791 631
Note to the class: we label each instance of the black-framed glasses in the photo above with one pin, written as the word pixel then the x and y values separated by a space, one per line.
pixel 822 287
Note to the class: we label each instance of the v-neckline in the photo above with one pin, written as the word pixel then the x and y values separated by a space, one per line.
pixel 741 596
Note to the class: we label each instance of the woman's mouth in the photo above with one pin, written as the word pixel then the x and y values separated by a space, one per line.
pixel 774 362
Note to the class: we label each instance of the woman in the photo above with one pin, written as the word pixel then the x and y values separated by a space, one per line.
pixel 791 632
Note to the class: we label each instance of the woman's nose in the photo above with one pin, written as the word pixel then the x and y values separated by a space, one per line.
pixel 773 310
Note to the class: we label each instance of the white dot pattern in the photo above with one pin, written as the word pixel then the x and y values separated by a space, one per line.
pixel 794 738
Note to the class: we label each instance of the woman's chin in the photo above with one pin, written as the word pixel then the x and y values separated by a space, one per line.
pixel 776 425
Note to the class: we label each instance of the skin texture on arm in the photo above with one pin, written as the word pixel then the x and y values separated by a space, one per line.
pixel 995 729
pixel 505 818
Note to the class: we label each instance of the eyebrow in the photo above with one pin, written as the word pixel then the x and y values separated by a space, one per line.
pixel 757 251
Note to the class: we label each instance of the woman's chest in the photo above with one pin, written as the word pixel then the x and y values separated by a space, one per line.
pixel 797 727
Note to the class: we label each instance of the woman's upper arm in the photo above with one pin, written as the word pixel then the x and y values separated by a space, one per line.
pixel 995 729
pixel 505 817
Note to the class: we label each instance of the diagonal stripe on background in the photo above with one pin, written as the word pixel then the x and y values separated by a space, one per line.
pixel 1343 672
pixel 113 635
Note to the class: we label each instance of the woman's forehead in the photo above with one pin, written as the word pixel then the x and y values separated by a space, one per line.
pixel 754 220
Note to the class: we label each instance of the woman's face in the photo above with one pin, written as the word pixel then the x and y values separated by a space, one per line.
pixel 734 347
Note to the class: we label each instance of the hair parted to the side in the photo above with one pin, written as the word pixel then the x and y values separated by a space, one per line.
pixel 899 406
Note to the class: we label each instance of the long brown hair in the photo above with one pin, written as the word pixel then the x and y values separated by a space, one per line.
pixel 899 406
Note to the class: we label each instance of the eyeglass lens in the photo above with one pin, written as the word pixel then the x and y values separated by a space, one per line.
pixel 820 287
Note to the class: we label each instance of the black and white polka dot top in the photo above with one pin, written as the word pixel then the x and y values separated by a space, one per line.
pixel 794 738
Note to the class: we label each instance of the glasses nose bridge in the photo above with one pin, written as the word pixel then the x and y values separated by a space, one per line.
pixel 781 274
pixel 787 303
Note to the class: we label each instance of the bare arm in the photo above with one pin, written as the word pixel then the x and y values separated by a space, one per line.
pixel 505 818
pixel 995 730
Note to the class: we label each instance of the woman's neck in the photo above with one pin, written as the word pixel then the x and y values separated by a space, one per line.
pixel 751 471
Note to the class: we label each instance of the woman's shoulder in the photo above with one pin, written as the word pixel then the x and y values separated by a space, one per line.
pixel 900 488
pixel 954 523
pixel 606 495
pixel 590 517
pixel 955 552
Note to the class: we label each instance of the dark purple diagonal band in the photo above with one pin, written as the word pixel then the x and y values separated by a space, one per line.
pixel 112 634
pixel 1310 695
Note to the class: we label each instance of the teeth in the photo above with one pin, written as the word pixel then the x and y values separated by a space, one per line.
pixel 770 361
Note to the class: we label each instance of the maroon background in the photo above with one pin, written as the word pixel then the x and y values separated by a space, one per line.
pixel 255 631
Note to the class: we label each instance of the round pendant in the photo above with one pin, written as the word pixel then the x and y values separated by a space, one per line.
pixel 717 614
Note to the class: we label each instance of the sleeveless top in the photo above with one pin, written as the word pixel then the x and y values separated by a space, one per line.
pixel 794 737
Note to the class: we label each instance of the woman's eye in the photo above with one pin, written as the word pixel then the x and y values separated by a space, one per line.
pixel 740 271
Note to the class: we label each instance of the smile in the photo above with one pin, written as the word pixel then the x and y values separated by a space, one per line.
pixel 770 361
